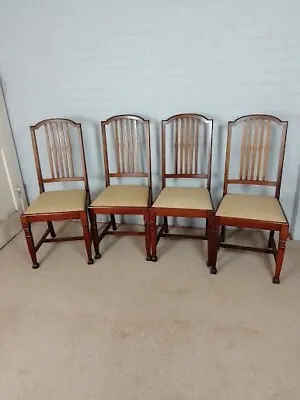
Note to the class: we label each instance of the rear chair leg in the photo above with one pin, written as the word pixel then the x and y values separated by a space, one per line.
pixel 166 226
pixel 283 236
pixel 51 229
pixel 214 245
pixel 147 236
pixel 153 236
pixel 113 222
pixel 95 236
pixel 87 236
pixel 223 233
pixel 271 237
pixel 208 231
pixel 30 243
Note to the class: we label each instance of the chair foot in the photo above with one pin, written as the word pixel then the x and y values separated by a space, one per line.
pixel 97 256
pixel 35 265
pixel 276 280
pixel 213 270
pixel 90 262
pixel 154 258
pixel 148 258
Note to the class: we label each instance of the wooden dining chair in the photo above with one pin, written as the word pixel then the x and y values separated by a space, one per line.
pixel 126 150
pixel 60 137
pixel 186 152
pixel 255 164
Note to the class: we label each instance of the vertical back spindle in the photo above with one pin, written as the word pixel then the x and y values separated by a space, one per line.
pixel 266 150
pixel 254 150
pixel 117 145
pixel 243 150
pixel 59 149
pixel 135 146
pixel 64 150
pixel 181 144
pixel 176 145
pixel 198 133
pixel 49 151
pixel 260 150
pixel 248 148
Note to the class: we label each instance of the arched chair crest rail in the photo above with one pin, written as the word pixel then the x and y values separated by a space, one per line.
pixel 256 151
pixel 58 137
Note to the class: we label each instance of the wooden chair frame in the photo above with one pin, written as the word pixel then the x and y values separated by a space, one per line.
pixel 125 168
pixel 61 166
pixel 182 170
pixel 247 178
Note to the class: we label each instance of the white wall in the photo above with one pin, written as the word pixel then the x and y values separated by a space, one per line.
pixel 88 60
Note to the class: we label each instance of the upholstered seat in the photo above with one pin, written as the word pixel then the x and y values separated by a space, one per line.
pixel 122 196
pixel 262 208
pixel 184 198
pixel 58 201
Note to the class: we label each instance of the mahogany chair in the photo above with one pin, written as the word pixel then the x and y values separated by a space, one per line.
pixel 187 136
pixel 60 136
pixel 263 212
pixel 126 150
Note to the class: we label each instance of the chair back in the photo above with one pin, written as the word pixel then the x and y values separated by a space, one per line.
pixel 60 136
pixel 189 141
pixel 260 136
pixel 126 147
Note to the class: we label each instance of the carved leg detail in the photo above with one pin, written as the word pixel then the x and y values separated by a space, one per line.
pixel 283 236
pixel 87 236
pixel 30 243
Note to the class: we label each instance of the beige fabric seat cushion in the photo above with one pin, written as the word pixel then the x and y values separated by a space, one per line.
pixel 122 196
pixel 185 198
pixel 263 208
pixel 58 201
